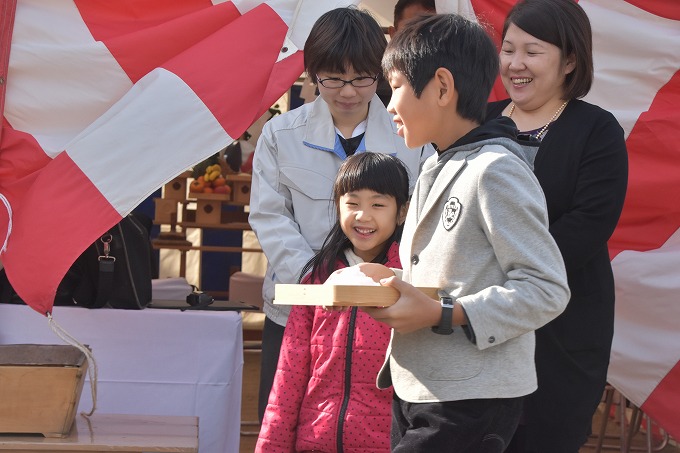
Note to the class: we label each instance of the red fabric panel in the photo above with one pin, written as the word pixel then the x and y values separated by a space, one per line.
pixel 670 9
pixel 142 38
pixel 240 74
pixel 651 212
pixel 664 402
pixel 35 230
pixel 107 20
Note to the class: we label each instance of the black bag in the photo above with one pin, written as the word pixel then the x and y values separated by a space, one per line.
pixel 115 271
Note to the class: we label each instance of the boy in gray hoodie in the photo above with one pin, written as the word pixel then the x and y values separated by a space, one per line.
pixel 476 229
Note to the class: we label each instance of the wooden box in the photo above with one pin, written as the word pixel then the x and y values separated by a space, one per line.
pixel 176 189
pixel 209 207
pixel 340 295
pixel 240 187
pixel 166 210
pixel 40 388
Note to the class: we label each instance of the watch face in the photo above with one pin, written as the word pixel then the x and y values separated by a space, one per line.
pixel 446 302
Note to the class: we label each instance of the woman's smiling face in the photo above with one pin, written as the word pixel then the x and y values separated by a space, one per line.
pixel 533 71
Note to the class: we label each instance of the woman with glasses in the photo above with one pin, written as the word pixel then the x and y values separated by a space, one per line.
pixel 299 153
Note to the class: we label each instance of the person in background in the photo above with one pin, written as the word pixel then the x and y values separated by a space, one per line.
pixel 324 396
pixel 476 229
pixel 546 65
pixel 299 152
pixel 404 11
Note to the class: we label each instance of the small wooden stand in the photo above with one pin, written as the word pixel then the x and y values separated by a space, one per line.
pixel 241 188
pixel 176 189
pixel 215 211
pixel 209 207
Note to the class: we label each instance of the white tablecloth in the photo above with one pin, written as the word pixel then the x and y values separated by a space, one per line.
pixel 152 362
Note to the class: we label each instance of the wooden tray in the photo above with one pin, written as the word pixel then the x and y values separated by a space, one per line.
pixel 340 295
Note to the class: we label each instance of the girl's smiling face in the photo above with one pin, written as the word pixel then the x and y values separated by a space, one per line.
pixel 369 219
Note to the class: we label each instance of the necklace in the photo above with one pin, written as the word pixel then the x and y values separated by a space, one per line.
pixel 544 128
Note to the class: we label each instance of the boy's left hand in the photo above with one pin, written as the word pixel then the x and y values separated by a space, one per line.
pixel 413 310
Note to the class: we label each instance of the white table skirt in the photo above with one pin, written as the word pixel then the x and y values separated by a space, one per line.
pixel 152 362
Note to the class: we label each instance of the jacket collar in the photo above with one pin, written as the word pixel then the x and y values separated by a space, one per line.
pixel 320 132
pixel 431 187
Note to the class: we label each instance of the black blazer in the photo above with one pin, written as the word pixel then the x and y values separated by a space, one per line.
pixel 582 166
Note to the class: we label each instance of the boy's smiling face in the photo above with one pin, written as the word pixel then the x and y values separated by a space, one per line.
pixel 413 116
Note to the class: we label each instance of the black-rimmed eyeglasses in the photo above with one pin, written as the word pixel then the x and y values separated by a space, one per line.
pixel 357 82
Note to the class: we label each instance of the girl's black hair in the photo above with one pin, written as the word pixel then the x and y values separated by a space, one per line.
pixel 381 173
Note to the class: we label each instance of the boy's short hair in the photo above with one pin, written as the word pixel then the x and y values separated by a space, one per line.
pixel 562 23
pixel 344 38
pixel 452 42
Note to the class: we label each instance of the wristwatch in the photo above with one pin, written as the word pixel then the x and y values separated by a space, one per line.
pixel 445 326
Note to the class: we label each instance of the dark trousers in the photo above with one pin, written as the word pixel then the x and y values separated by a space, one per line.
pixel 272 337
pixel 558 416
pixel 466 426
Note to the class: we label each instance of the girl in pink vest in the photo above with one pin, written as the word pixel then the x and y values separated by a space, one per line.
pixel 324 396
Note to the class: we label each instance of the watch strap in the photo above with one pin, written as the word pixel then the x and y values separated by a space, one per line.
pixel 445 326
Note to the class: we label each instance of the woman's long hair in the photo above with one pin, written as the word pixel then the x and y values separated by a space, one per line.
pixel 378 172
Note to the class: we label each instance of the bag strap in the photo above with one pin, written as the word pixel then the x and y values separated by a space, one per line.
pixel 105 274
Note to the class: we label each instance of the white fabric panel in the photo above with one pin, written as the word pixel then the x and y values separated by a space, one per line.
pixel 462 7
pixel 632 67
pixel 299 15
pixel 646 322
pixel 46 98
pixel 160 125
pixel 152 362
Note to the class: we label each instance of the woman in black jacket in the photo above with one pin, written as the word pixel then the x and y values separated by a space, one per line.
pixel 582 165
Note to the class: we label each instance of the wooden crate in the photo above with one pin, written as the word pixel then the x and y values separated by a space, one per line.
pixel 209 207
pixel 176 189
pixel 166 210
pixel 240 187
pixel 40 388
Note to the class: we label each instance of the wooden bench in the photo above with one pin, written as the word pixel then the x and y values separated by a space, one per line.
pixel 114 432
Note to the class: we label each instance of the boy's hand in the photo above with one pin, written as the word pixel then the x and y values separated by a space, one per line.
pixel 413 310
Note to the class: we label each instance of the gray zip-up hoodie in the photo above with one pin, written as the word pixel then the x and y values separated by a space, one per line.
pixel 477 228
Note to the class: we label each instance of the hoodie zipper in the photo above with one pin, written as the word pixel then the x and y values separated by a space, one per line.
pixel 348 378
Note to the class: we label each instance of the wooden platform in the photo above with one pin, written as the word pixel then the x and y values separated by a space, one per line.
pixel 114 433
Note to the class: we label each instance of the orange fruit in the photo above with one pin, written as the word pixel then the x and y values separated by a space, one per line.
pixel 196 186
